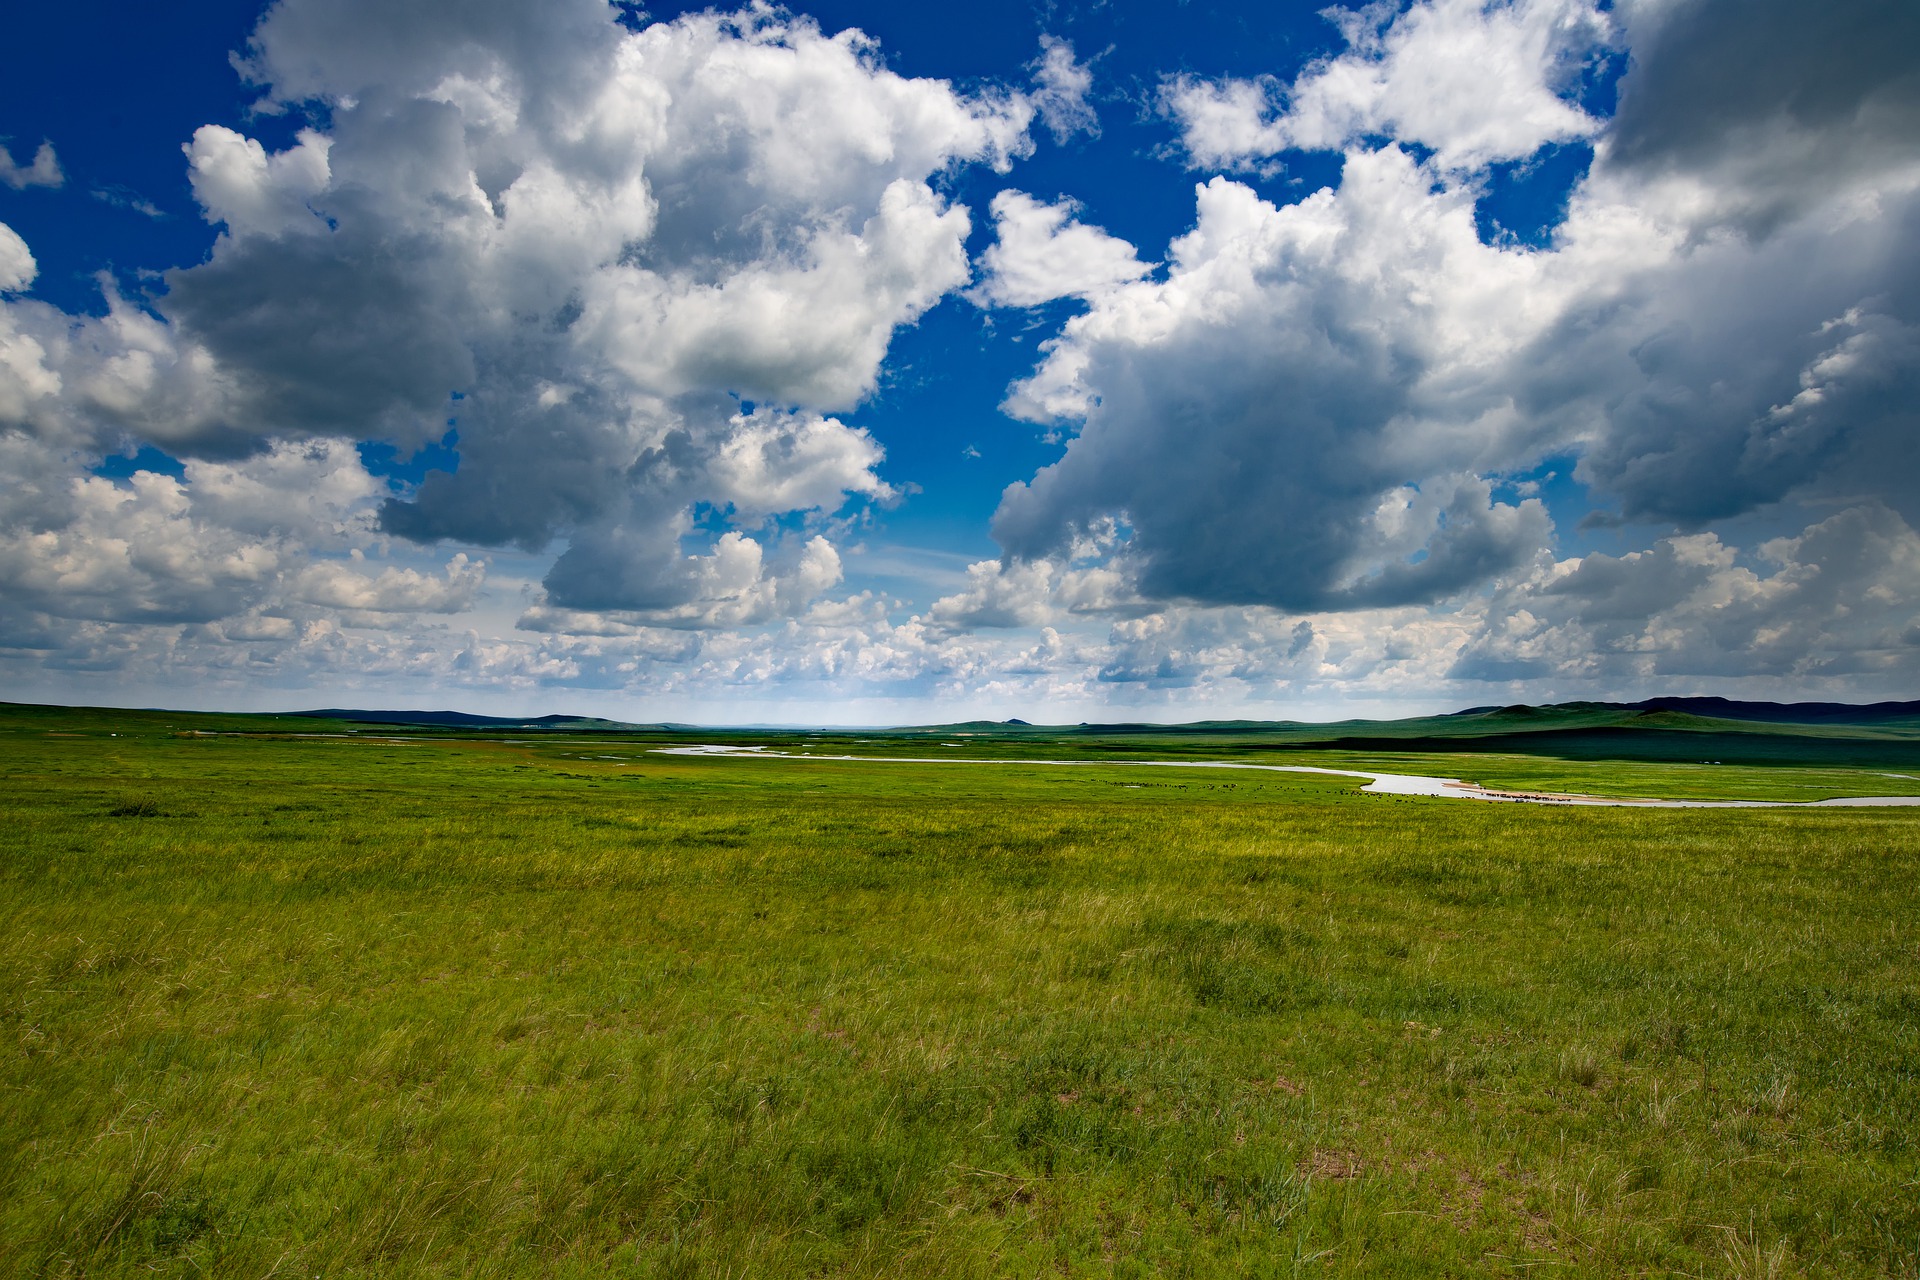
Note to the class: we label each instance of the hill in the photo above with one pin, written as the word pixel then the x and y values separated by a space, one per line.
pixel 469 720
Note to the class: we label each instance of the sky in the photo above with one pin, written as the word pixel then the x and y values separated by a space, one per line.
pixel 860 363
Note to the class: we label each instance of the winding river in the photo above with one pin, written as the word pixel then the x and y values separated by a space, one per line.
pixel 1390 784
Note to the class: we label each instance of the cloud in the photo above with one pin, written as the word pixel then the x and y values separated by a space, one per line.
pixel 88 380
pixel 251 193
pixel 222 541
pixel 1032 593
pixel 1839 601
pixel 258 627
pixel 1832 608
pixel 1043 252
pixel 1224 123
pixel 17 267
pixel 1748 409
pixel 1061 85
pixel 1289 418
pixel 808 330
pixel 581 246
pixel 1776 103
pixel 134 553
pixel 1475 81
pixel 1743 292
pixel 317 493
pixel 1828 611
pixel 43 172
pixel 393 590
pixel 770 464
pixel 774 463
pixel 1182 655
pixel 644 276
pixel 125 198
pixel 1311 411
pixel 620 570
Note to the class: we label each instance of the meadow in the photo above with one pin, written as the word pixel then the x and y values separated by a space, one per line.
pixel 493 1004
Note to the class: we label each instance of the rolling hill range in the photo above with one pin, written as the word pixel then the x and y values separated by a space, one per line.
pixel 1659 729
pixel 1679 730
pixel 1663 729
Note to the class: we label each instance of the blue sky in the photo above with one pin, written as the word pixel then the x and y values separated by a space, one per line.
pixel 1156 360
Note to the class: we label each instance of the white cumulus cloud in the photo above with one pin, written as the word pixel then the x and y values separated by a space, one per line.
pixel 17 267
pixel 581 245
pixel 1476 81
pixel 1043 252
pixel 392 590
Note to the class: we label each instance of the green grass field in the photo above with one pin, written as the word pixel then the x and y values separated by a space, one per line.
pixel 453 1005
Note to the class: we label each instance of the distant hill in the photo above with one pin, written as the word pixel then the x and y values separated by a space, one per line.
pixel 1697 730
pixel 467 720
pixel 1786 712
pixel 1656 729
pixel 1520 718
pixel 1653 743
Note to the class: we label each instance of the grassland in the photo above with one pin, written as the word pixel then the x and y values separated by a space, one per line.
pixel 431 1005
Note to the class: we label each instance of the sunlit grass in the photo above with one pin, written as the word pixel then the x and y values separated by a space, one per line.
pixel 325 1007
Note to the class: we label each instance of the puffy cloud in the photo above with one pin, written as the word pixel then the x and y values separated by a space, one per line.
pixel 1224 123
pixel 253 193
pixel 333 584
pixel 317 493
pixel 1433 542
pixel 43 172
pixel 770 463
pixel 810 332
pixel 134 553
pixel 222 541
pixel 1839 601
pixel 1832 608
pixel 1258 416
pixel 1042 252
pixel 1710 366
pixel 1034 592
pixel 1827 611
pixel 623 570
pixel 645 274
pixel 774 463
pixel 87 380
pixel 17 267
pixel 1261 655
pixel 258 627
pixel 1313 409
pixel 26 380
pixel 1061 85
pixel 1741 287
pixel 582 245
pixel 1475 81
